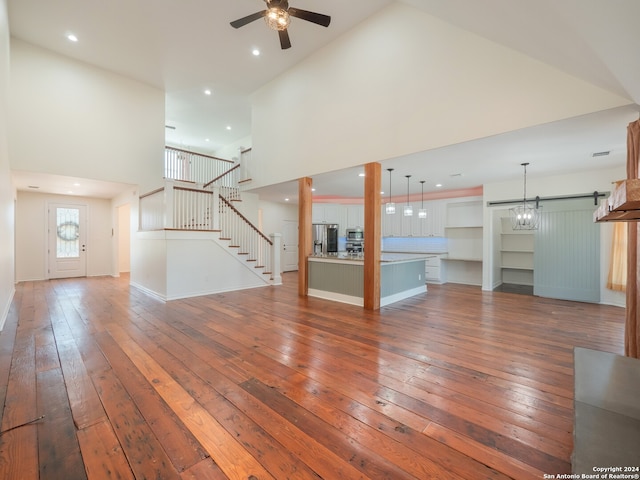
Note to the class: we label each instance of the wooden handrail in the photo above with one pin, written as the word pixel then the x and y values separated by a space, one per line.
pixel 245 150
pixel 196 153
pixel 152 192
pixel 226 202
pixel 209 192
pixel 220 176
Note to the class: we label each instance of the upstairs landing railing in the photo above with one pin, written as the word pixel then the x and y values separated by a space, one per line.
pixel 193 167
pixel 227 183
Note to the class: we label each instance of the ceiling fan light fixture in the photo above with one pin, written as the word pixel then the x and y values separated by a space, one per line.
pixel 277 19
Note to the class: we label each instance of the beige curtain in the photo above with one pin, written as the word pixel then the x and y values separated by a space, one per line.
pixel 632 327
pixel 617 279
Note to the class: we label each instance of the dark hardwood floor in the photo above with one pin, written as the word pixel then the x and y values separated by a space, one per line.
pixel 455 384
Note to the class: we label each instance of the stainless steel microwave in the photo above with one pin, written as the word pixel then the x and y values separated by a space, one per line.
pixel 355 234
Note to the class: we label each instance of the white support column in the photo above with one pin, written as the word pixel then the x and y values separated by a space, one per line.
pixel 276 276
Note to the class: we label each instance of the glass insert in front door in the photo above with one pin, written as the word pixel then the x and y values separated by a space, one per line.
pixel 67 232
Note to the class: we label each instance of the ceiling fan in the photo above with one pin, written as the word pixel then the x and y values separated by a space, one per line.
pixel 277 15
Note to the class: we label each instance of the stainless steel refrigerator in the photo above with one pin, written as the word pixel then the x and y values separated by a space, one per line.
pixel 325 238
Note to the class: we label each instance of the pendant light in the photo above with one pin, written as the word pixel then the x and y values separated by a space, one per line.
pixel 525 216
pixel 390 208
pixel 422 213
pixel 408 209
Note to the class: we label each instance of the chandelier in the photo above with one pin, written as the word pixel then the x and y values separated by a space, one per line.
pixel 525 216
pixel 422 213
pixel 277 18
pixel 390 208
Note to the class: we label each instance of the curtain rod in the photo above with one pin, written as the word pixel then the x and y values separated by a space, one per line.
pixel 595 195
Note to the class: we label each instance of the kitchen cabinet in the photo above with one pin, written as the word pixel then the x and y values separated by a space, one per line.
pixel 433 271
pixel 325 213
pixel 397 225
pixel 354 216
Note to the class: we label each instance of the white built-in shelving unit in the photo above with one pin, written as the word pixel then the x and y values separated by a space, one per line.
pixel 516 253
pixel 463 230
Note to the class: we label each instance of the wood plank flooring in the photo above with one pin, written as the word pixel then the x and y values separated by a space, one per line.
pixel 261 384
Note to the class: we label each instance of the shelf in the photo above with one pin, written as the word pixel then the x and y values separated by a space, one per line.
pixel 463 226
pixel 622 205
pixel 460 259
pixel 514 267
pixel 514 250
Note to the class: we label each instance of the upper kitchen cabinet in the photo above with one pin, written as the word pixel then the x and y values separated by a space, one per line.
pixel 354 216
pixel 433 225
pixel 397 225
pixel 325 213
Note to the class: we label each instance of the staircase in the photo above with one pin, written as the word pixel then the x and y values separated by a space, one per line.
pixel 192 207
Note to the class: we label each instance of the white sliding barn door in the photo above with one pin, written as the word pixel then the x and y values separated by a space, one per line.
pixel 567 252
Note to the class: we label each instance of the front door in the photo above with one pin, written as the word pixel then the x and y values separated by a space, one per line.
pixel 67 241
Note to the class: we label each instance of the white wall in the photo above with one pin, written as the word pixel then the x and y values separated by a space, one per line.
pixel 273 214
pixel 181 264
pixel 123 236
pixel 87 123
pixel 31 234
pixel 558 185
pixel 7 192
pixel 124 243
pixel 403 82
pixel 232 151
pixel 70 118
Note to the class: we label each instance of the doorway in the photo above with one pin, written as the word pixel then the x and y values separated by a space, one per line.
pixel 124 238
pixel 67 241
pixel 289 246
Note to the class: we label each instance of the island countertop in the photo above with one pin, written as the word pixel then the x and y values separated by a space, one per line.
pixel 384 257
pixel 341 277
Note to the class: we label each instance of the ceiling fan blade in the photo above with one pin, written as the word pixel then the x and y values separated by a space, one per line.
pixel 313 17
pixel 248 19
pixel 284 39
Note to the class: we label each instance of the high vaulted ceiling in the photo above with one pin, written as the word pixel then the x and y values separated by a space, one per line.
pixel 187 47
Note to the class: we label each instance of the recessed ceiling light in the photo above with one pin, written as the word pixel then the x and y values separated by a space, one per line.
pixel 438 185
pixel 228 127
pixel 71 37
pixel 361 174
pixel 381 193
pixel 255 52
pixel 313 189
pixel 76 184
pixel 207 92
pixel 286 199
pixel 206 139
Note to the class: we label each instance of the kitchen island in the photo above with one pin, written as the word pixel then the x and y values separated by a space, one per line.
pixel 341 277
